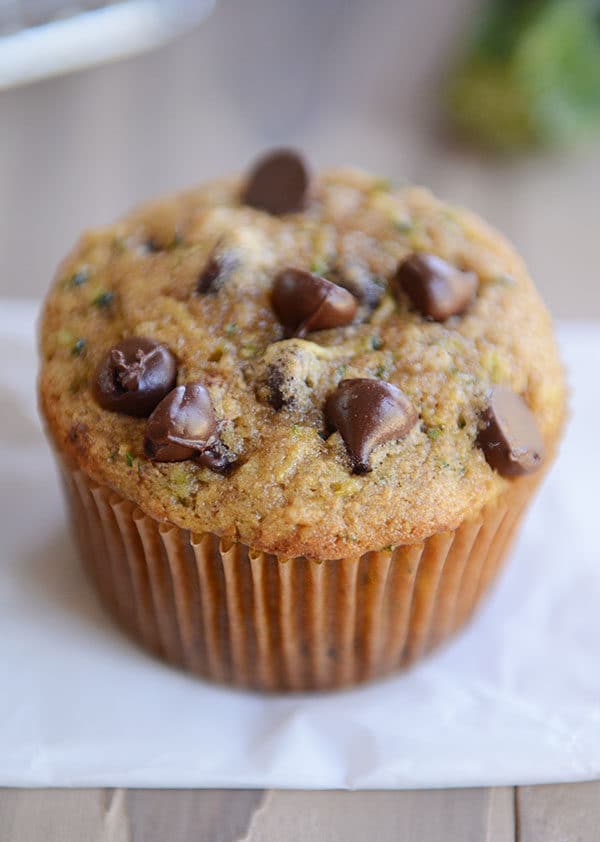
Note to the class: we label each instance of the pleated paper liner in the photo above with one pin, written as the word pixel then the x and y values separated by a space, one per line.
pixel 238 616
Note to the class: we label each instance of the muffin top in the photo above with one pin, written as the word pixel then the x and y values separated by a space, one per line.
pixel 315 365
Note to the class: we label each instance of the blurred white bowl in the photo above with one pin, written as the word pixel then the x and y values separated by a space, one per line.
pixel 40 38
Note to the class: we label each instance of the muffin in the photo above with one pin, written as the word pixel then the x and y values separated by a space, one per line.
pixel 298 418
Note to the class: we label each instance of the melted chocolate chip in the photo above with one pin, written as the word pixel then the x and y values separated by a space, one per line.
pixel 510 438
pixel 219 267
pixel 286 375
pixel 368 413
pixel 359 281
pixel 216 459
pixel 305 302
pixel 279 183
pixel 184 426
pixel 275 385
pixel 435 288
pixel 134 376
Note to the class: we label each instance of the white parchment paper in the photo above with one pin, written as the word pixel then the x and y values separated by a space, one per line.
pixel 514 700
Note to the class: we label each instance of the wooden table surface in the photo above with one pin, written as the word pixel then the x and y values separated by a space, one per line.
pixel 527 814
pixel 348 81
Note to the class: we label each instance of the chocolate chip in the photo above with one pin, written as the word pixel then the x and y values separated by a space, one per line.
pixel 510 438
pixel 278 183
pixel 184 426
pixel 219 267
pixel 216 459
pixel 134 376
pixel 359 281
pixel 275 386
pixel 304 302
pixel 435 288
pixel 368 413
pixel 286 374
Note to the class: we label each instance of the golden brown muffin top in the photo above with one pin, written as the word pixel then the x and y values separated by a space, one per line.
pixel 196 273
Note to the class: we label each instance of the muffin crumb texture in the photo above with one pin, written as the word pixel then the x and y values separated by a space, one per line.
pixel 270 310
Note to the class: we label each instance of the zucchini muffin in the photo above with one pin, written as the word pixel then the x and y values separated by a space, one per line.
pixel 299 418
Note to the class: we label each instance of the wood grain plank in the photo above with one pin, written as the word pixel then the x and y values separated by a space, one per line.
pixel 185 815
pixel 475 815
pixel 559 813
pixel 468 815
pixel 501 823
pixel 63 815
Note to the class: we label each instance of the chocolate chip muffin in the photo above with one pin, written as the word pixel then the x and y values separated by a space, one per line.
pixel 299 418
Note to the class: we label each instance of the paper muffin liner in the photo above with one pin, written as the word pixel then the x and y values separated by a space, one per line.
pixel 239 616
